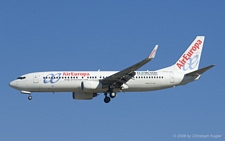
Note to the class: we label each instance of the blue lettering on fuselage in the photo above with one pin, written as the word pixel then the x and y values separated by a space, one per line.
pixel 52 78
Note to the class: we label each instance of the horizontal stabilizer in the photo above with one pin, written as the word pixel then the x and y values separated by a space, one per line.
pixel 200 71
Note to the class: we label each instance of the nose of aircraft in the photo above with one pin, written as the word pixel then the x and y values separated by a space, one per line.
pixel 12 84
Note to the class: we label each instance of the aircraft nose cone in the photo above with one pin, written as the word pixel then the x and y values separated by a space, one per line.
pixel 12 84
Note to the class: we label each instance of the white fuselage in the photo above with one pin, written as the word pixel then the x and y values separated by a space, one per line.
pixel 70 81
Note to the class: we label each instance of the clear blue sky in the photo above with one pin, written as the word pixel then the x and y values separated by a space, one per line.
pixel 110 35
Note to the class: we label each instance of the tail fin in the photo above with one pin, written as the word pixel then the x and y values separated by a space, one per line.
pixel 190 59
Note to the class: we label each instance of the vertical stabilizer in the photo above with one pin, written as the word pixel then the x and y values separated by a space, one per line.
pixel 190 59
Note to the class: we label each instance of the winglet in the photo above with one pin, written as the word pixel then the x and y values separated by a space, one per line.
pixel 152 54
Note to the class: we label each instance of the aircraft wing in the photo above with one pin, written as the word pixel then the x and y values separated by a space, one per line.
pixel 121 77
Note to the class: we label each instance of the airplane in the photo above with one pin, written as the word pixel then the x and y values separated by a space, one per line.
pixel 85 85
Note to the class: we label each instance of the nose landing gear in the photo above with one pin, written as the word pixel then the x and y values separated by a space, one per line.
pixel 29 97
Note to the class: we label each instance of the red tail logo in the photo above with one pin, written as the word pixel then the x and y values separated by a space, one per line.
pixel 186 57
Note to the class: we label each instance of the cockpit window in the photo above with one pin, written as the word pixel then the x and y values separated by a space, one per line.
pixel 21 78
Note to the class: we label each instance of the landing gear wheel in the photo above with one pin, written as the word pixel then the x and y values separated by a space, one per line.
pixel 30 97
pixel 112 95
pixel 107 99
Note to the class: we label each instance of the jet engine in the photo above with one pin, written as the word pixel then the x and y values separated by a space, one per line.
pixel 84 95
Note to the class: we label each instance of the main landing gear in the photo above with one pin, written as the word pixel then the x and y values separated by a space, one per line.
pixel 106 99
pixel 111 95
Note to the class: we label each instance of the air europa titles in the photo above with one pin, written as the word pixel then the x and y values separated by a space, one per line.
pixel 186 57
pixel 75 74
pixel 53 78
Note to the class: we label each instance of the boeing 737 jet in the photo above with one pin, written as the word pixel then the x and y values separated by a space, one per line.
pixel 86 85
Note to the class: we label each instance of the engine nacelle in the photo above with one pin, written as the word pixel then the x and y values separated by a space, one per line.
pixel 84 95
pixel 91 85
